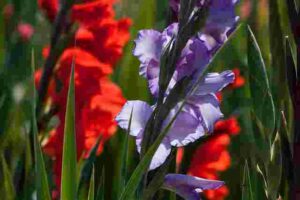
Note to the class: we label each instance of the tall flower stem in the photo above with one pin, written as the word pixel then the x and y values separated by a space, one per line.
pixel 57 45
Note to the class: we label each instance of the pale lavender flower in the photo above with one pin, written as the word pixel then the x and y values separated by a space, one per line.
pixel 202 109
pixel 189 187
pixel 197 117
pixel 149 47
pixel 220 20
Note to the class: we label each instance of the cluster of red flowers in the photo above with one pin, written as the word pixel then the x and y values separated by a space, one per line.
pixel 99 44
pixel 212 157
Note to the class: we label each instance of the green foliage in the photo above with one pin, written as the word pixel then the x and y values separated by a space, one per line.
pixel 69 184
pixel 247 193
pixel 42 185
pixel 261 95
pixel 7 187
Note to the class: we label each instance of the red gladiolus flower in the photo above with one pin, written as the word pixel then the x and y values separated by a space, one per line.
pixel 239 80
pixel 212 157
pixel 179 156
pixel 99 44
pixel 50 7
pixel 219 96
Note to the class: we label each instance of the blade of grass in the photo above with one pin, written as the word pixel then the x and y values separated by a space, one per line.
pixel 42 185
pixel 247 188
pixel 7 187
pixel 125 155
pixel 68 180
pixel 100 190
pixel 87 166
pixel 92 186
pixel 262 99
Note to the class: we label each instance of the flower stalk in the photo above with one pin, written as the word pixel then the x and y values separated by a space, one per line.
pixel 57 45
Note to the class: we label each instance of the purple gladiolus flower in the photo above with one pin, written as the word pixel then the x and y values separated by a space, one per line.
pixel 189 187
pixel 197 117
pixel 201 110
pixel 220 20
pixel 149 47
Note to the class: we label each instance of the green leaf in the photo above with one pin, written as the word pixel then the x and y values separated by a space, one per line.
pixel 68 178
pixel 101 186
pixel 158 179
pixel 87 165
pixel 291 70
pixel 278 78
pixel 6 187
pixel 274 170
pixel 92 186
pixel 42 185
pixel 247 188
pixel 262 100
pixel 124 154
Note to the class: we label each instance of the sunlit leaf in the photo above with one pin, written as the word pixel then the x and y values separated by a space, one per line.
pixel 6 186
pixel 68 179
pixel 274 170
pixel 262 100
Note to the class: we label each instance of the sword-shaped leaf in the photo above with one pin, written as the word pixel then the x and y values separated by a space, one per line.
pixel 68 180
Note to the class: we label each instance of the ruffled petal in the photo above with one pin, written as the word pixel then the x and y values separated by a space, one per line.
pixel 215 82
pixel 198 58
pixel 208 108
pixel 189 187
pixel 141 112
pixel 148 47
pixel 187 127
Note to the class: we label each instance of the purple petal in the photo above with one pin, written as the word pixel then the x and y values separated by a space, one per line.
pixel 160 155
pixel 187 127
pixel 201 55
pixel 209 108
pixel 194 57
pixel 148 47
pixel 175 4
pixel 215 82
pixel 153 76
pixel 221 19
pixel 189 187
pixel 170 31
pixel 141 112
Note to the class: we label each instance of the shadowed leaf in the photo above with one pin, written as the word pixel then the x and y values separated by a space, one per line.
pixel 92 186
pixel 6 187
pixel 247 188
